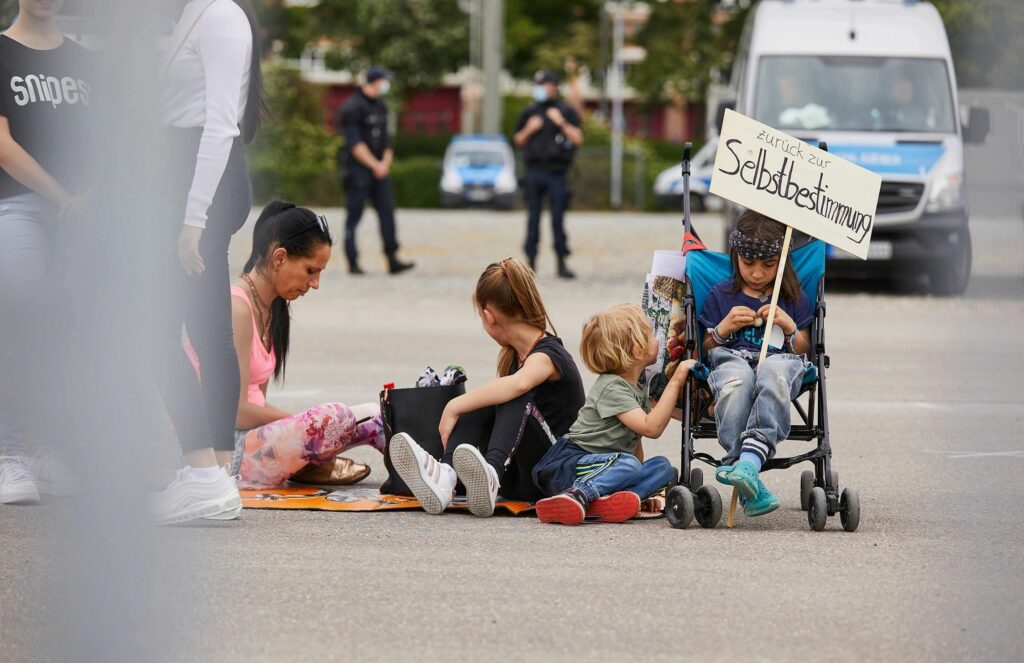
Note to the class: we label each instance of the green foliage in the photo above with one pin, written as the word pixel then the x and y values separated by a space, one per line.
pixel 416 181
pixel 987 39
pixel 415 145
pixel 294 155
pixel 420 40
pixel 683 49
pixel 540 34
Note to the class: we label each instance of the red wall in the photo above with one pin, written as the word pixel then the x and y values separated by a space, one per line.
pixel 430 112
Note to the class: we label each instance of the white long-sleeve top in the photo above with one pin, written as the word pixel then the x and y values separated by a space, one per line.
pixel 206 85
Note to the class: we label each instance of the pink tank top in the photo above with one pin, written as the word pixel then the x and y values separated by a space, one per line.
pixel 261 361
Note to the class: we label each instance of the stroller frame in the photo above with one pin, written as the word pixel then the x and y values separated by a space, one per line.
pixel 819 488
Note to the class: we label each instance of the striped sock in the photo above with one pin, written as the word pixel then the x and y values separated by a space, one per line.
pixel 754 447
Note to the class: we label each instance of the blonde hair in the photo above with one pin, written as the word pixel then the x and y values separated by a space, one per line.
pixel 509 287
pixel 611 338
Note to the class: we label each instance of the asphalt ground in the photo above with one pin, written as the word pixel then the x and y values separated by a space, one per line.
pixel 925 408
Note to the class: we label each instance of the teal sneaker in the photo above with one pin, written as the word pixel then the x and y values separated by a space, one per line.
pixel 742 475
pixel 764 502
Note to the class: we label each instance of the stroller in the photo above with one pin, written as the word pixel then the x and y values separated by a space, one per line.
pixel 819 489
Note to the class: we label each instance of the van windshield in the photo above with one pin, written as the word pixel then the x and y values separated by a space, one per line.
pixel 841 93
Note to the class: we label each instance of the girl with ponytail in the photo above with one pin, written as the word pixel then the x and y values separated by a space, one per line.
pixel 495 434
pixel 290 249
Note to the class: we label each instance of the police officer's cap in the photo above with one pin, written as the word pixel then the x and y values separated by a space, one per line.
pixel 545 76
pixel 377 72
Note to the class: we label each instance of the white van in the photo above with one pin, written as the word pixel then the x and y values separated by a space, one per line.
pixel 875 80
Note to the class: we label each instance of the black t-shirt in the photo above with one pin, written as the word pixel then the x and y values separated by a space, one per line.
pixel 363 120
pixel 548 148
pixel 559 401
pixel 46 96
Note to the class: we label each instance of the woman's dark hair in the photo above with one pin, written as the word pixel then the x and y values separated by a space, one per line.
pixel 298 231
pixel 758 226
pixel 256 109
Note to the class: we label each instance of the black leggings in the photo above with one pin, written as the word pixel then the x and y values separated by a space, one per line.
pixel 511 437
pixel 203 413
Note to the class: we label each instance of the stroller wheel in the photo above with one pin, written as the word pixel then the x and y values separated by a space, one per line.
pixel 849 510
pixel 679 507
pixel 708 506
pixel 817 510
pixel 696 479
pixel 806 483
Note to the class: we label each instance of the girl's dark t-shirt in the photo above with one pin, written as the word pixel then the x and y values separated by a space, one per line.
pixel 45 96
pixel 559 401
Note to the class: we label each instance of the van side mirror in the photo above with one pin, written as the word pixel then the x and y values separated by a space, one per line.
pixel 720 113
pixel 978 125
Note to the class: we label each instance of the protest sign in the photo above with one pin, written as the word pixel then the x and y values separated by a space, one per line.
pixel 793 182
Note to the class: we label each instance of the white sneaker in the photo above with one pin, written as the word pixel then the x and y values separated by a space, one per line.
pixel 16 484
pixel 52 475
pixel 235 512
pixel 432 482
pixel 479 478
pixel 191 497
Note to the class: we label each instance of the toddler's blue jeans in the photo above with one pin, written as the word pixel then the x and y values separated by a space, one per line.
pixel 598 475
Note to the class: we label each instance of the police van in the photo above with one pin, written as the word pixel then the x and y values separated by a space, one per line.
pixel 875 80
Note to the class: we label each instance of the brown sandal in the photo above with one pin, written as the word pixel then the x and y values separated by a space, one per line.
pixel 340 472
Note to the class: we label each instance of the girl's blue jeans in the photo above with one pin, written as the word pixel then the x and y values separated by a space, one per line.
pixel 598 475
pixel 751 404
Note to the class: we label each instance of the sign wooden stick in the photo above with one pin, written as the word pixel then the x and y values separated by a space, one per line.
pixel 769 323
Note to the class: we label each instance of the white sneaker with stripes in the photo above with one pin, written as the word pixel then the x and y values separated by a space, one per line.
pixel 431 482
pixel 479 478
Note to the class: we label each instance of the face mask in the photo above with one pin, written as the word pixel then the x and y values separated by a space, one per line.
pixel 540 93
pixel 385 87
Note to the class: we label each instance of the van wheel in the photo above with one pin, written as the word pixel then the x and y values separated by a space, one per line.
pixel 951 279
pixel 696 202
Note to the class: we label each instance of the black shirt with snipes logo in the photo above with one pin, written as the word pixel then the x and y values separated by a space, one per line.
pixel 46 96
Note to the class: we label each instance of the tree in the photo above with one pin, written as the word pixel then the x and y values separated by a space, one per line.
pixel 540 34
pixel 987 39
pixel 685 43
pixel 420 40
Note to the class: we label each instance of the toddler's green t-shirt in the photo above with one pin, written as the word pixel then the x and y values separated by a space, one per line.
pixel 597 428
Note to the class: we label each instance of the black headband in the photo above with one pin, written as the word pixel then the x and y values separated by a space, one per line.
pixel 755 249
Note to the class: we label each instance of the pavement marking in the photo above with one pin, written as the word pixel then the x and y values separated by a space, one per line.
pixel 957 455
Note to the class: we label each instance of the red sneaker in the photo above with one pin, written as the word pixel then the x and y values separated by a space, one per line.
pixel 615 508
pixel 564 508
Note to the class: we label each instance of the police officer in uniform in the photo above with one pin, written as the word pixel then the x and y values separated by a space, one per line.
pixel 366 162
pixel 548 132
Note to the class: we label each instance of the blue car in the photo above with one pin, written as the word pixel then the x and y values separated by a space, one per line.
pixel 479 170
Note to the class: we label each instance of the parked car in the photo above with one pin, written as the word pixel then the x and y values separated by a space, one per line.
pixel 668 186
pixel 479 170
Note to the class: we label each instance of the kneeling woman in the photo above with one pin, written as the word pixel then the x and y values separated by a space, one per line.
pixel 291 247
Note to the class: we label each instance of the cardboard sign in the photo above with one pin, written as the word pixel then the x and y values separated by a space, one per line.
pixel 792 182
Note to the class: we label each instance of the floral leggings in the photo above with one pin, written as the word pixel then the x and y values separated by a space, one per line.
pixel 269 455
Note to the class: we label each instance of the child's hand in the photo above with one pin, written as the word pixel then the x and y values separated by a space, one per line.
pixel 682 371
pixel 782 319
pixel 738 318
pixel 449 418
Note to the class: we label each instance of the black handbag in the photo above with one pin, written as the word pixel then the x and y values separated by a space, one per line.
pixel 416 412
